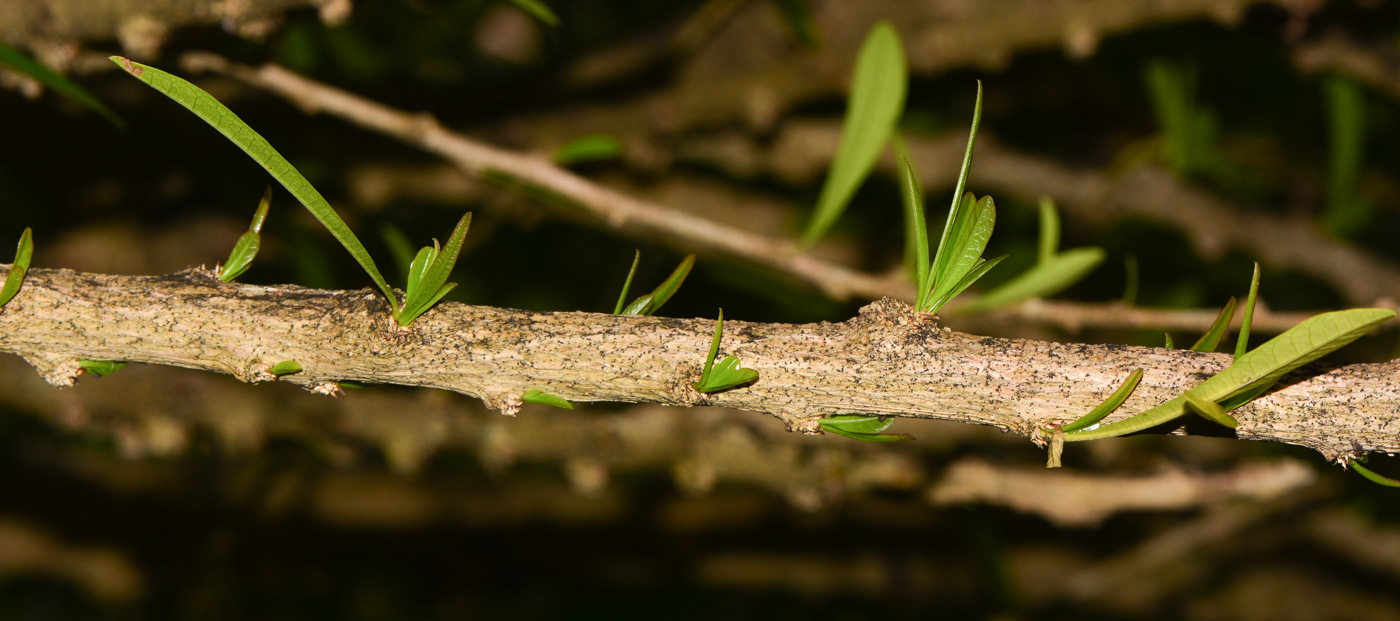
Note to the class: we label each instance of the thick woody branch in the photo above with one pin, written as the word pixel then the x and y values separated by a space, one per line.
pixel 888 360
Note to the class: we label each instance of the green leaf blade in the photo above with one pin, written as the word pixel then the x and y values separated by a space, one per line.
pixel 665 290
pixel 877 99
pixel 1211 339
pixel 941 256
pixel 285 367
pixel 1049 230
pixel 227 123
pixel 539 10
pixel 1043 280
pixel 15 278
pixel 627 284
pixel 101 368
pixel 18 61
pixel 1109 405
pixel 1372 475
pixel 590 148
pixel 535 395
pixel 1242 343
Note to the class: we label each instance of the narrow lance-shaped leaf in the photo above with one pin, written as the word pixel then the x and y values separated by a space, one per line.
pixel 535 395
pixel 100 368
pixel 1242 343
pixel 227 123
pixel 1044 279
pixel 941 259
pixel 1211 338
pixel 1049 230
pixel 915 229
pixel 1209 410
pixel 627 284
pixel 865 428
pixel 248 244
pixel 970 241
pixel 982 268
pixel 590 148
pixel 539 10
pixel 663 292
pixel 877 99
pixel 1372 476
pixel 1169 344
pixel 15 278
pixel 1109 405
pixel 14 59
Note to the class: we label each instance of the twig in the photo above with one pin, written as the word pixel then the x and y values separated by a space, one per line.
pixel 1076 499
pixel 888 360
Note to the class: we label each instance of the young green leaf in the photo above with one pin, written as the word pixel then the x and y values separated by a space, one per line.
pixel 862 427
pixel 971 232
pixel 1169 344
pixel 1211 339
pixel 590 148
pixel 429 285
pixel 651 302
pixel 726 374
pixel 246 248
pixel 221 118
pixel 14 59
pixel 286 367
pixel 627 284
pixel 1109 405
pixel 977 272
pixel 15 278
pixel 1209 410
pixel 1372 475
pixel 945 250
pixel 1044 279
pixel 915 229
pixel 1242 343
pixel 877 98
pixel 101 368
pixel 1253 373
pixel 539 10
pixel 535 395
pixel 1049 230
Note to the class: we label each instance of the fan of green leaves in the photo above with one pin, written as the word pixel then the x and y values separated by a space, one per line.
pixel 1052 273
pixel 958 262
pixel 725 375
pixel 430 269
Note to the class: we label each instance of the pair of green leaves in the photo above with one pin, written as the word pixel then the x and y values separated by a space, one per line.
pixel 725 375
pixel 1053 272
pixel 863 427
pixel 19 268
pixel 652 302
pixel 428 283
pixel 14 59
pixel 248 244
pixel 958 261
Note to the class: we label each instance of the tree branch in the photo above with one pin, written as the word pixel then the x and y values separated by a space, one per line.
pixel 888 360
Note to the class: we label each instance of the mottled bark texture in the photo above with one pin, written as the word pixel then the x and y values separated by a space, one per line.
pixel 887 360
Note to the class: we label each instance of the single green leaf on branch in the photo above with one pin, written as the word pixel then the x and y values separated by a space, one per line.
pixel 16 60
pixel 590 148
pixel 1169 344
pixel 1108 406
pixel 1372 475
pixel 248 244
pixel 535 395
pixel 1242 342
pixel 877 99
pixel 218 116
pixel 1211 339
pixel 285 367
pixel 100 368
pixel 1053 272
pixel 866 428
pixel 725 375
pixel 15 278
pixel 652 302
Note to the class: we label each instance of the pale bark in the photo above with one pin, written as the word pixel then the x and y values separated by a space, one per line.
pixel 888 360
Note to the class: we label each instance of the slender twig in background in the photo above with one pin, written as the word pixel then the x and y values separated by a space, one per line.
pixel 651 220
